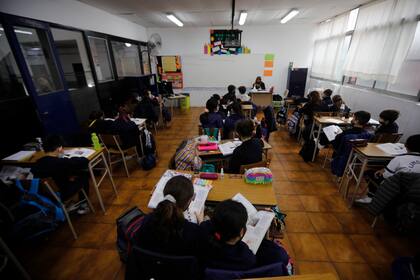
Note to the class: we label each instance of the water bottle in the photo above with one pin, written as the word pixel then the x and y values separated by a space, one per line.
pixel 219 137
pixel 222 173
pixel 95 142
pixel 196 165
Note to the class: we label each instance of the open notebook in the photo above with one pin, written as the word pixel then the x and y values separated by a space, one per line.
pixel 332 131
pixel 197 204
pixel 257 225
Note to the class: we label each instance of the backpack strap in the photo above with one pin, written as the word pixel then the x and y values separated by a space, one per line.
pixel 34 186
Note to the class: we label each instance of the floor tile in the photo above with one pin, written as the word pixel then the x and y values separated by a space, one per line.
pixel 305 267
pixel 314 203
pixel 372 249
pixel 325 222
pixel 289 203
pixel 355 271
pixel 298 222
pixel 340 248
pixel 307 247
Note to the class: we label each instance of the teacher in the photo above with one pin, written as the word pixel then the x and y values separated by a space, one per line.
pixel 259 84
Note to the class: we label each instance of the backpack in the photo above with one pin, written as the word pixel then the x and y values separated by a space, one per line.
pixel 128 225
pixel 149 142
pixel 281 117
pixel 167 117
pixel 293 123
pixel 307 150
pixel 148 161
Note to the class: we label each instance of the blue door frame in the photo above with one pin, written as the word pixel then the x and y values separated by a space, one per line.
pixel 54 109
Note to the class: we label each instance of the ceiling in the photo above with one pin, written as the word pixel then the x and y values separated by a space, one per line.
pixel 203 13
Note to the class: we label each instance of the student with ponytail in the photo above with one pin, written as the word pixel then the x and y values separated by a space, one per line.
pixel 166 231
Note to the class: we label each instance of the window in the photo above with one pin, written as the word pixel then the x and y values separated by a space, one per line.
pixel 127 60
pixel 145 59
pixel 101 59
pixel 39 57
pixel 73 57
pixel 11 84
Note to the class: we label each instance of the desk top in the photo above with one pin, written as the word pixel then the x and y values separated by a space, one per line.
pixel 260 91
pixel 318 276
pixel 338 120
pixel 137 121
pixel 219 153
pixel 39 154
pixel 372 151
pixel 177 96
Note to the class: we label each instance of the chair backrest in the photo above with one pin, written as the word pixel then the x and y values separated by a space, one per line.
pixel 110 141
pixel 144 264
pixel 212 131
pixel 247 109
pixel 387 138
pixel 263 163
pixel 271 270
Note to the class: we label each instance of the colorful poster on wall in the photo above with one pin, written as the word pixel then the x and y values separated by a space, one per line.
pixel 174 78
pixel 169 69
pixel 268 65
pixel 168 64
pixel 268 73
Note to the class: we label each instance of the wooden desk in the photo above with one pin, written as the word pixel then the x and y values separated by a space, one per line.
pixel 356 166
pixel 95 159
pixel 318 276
pixel 261 98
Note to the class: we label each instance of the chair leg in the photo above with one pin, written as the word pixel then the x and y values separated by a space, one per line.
pixel 88 201
pixel 374 222
pixel 125 164
pixel 70 223
pixel 326 158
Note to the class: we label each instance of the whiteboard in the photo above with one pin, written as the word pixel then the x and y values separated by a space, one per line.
pixel 221 70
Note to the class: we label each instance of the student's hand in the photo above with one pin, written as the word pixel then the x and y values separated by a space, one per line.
pixel 379 173
pixel 200 216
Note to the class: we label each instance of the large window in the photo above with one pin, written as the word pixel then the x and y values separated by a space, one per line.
pixel 39 58
pixel 73 57
pixel 101 59
pixel 127 59
pixel 11 84
pixel 145 59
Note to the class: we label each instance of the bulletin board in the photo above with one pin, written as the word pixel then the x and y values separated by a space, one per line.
pixel 169 69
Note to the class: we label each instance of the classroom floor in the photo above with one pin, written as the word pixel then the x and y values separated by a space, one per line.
pixel 322 234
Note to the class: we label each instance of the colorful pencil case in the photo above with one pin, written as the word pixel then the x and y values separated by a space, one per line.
pixel 258 175
pixel 208 147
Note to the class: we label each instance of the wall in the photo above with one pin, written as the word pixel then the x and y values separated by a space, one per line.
pixel 374 102
pixel 75 14
pixel 289 42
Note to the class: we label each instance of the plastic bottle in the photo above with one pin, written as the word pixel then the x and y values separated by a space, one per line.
pixel 219 137
pixel 95 142
pixel 222 173
pixel 196 165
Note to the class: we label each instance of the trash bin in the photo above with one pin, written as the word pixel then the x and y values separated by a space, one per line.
pixel 184 103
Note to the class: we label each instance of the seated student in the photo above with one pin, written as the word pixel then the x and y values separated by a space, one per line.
pixel 258 84
pixel 186 158
pixel 268 123
pixel 166 231
pixel 212 118
pixel 147 108
pixel 127 130
pixel 387 122
pixel 69 174
pixel 250 151
pixel 408 163
pixel 308 111
pixel 399 201
pixel 97 124
pixel 227 251
pixel 338 105
pixel 341 146
pixel 242 94
pixel 327 102
pixel 235 116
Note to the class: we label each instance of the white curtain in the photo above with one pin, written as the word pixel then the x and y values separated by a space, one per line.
pixel 381 40
pixel 329 51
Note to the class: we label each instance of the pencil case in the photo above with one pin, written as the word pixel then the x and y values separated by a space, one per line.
pixel 209 176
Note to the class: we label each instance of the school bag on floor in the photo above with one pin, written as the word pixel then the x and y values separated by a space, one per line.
pixel 128 225
pixel 293 123
pixel 307 150
pixel 149 159
pixel 281 117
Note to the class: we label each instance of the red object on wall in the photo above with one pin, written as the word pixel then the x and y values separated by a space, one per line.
pixel 175 78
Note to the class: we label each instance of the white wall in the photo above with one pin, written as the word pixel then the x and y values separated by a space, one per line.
pixel 374 102
pixel 289 42
pixel 75 14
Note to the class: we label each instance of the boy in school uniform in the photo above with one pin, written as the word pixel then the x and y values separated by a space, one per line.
pixel 250 151
pixel 407 163
pixel 242 94
pixel 387 122
pixel 69 174
pixel 212 118
pixel 127 130
pixel 225 230
pixel 235 116
pixel 327 102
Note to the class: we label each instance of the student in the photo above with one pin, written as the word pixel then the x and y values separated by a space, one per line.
pixel 341 145
pixel 212 118
pixel 227 251
pixel 408 163
pixel 242 96
pixel 147 108
pixel 258 84
pixel 166 231
pixel 250 151
pixel 186 158
pixel 235 116
pixel 308 110
pixel 127 130
pixel 97 124
pixel 387 122
pixel 327 102
pixel 339 106
pixel 69 174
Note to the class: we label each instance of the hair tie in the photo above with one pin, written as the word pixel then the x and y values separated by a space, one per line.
pixel 217 236
pixel 170 198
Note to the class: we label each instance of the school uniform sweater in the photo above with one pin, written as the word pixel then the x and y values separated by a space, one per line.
pixel 387 128
pixel 326 103
pixel 230 123
pixel 409 163
pixel 250 151
pixel 211 120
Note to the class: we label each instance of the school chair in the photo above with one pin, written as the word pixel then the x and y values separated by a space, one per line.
pixel 387 138
pixel 145 264
pixel 270 270
pixel 53 189
pixel 112 145
pixel 247 109
pixel 245 167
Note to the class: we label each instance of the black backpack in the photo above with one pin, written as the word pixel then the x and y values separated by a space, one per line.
pixel 307 150
pixel 128 225
pixel 281 117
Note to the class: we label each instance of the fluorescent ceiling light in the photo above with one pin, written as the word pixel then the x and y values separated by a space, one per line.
pixel 127 45
pixel 242 18
pixel 19 31
pixel 175 20
pixel 289 16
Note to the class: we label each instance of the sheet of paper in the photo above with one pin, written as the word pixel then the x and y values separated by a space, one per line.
pixel 269 56
pixel 393 148
pixel 333 120
pixel 255 233
pixel 228 147
pixel 197 204
pixel 332 131
pixel 79 152
pixel 250 209
pixel 20 155
pixel 138 121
